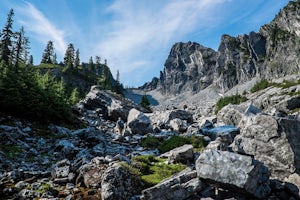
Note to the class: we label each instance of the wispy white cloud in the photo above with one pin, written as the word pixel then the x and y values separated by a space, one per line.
pixel 34 21
pixel 140 29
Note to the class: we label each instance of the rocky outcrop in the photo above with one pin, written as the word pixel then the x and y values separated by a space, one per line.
pixel 107 104
pixel 234 172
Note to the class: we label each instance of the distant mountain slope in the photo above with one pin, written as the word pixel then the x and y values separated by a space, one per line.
pixel 271 53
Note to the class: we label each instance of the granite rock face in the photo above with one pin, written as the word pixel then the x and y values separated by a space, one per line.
pixel 234 172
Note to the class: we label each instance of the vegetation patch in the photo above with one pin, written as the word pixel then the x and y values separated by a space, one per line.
pixel 260 85
pixel 224 101
pixel 151 169
pixel 150 142
pixel 10 151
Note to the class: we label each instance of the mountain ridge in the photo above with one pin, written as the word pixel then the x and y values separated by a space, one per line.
pixel 270 53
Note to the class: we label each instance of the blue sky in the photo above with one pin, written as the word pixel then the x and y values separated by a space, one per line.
pixel 135 36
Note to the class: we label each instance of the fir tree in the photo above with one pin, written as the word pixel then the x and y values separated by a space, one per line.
pixel 77 59
pixel 145 102
pixel 91 65
pixel 21 48
pixel 69 59
pixel 48 53
pixel 6 38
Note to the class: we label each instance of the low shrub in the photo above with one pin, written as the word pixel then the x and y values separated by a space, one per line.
pixel 150 142
pixel 224 101
pixel 173 142
pixel 260 85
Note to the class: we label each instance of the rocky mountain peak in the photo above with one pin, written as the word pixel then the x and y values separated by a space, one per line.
pixel 270 53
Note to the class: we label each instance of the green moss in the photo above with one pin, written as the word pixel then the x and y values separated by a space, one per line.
pixel 224 101
pixel 151 169
pixel 173 142
pixel 10 151
pixel 150 142
pixel 44 188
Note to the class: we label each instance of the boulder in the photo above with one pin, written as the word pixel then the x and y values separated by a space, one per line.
pixel 91 173
pixel 162 119
pixel 118 183
pixel 231 114
pixel 179 186
pixel 61 169
pixel 138 122
pixel 234 172
pixel 178 125
pixel 183 154
pixel 269 141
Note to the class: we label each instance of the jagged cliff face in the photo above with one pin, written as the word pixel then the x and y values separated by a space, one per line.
pixel 188 67
pixel 283 42
pixel 271 53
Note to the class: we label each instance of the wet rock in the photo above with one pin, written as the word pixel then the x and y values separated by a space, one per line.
pixel 138 122
pixel 234 172
pixel 179 186
pixel 227 131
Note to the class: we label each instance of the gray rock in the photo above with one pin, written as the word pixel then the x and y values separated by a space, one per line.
pixel 178 125
pixel 118 183
pixel 61 169
pixel 138 122
pixel 179 186
pixel 237 173
pixel 262 137
pixel 183 154
pixel 231 114
pixel 107 104
pixel 163 119
pixel 91 173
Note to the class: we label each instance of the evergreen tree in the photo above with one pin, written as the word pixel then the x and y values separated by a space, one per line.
pixel 30 61
pixel 145 102
pixel 48 53
pixel 6 38
pixel 21 48
pixel 118 76
pixel 98 65
pixel 91 65
pixel 69 59
pixel 54 60
pixel 77 59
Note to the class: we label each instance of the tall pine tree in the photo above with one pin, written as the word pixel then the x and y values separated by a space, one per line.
pixel 48 53
pixel 6 38
pixel 69 59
